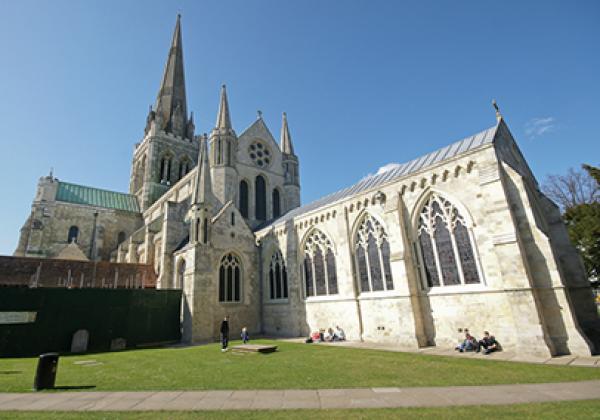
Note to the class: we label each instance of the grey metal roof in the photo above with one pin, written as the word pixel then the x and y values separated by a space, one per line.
pixel 467 144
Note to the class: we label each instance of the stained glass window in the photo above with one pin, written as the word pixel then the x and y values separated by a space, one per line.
pixel 465 252
pixel 331 273
pixel 372 256
pixel 320 274
pixel 308 276
pixel 444 241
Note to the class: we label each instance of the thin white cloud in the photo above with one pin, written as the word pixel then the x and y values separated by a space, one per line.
pixel 385 168
pixel 536 127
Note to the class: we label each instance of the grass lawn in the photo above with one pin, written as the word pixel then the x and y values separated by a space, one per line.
pixel 293 366
pixel 547 411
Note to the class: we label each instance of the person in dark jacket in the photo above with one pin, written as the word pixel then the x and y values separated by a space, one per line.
pixel 225 333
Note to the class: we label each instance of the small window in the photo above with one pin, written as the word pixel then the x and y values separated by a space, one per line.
pixel 232 219
pixel 121 238
pixel 73 234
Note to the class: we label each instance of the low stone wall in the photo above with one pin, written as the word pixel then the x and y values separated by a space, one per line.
pixel 45 272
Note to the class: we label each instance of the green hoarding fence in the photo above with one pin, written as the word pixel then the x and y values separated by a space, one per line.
pixel 35 321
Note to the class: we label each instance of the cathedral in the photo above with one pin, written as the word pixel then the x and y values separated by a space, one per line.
pixel 461 237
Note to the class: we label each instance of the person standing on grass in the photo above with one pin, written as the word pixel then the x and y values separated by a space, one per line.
pixel 225 333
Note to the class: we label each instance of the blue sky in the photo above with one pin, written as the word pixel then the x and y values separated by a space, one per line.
pixel 364 83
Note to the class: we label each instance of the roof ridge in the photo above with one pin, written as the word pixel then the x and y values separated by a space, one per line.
pixel 405 168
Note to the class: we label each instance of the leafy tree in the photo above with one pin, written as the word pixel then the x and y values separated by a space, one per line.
pixel 578 194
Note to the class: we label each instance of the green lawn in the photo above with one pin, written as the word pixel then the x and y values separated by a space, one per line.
pixel 294 366
pixel 547 411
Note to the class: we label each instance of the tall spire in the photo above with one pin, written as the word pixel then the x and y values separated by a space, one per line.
pixel 223 119
pixel 286 138
pixel 171 104
pixel 203 187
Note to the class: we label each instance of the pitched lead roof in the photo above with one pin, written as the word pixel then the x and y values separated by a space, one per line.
pixel 469 143
pixel 80 194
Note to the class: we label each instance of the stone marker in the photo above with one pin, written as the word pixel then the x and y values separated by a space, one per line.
pixel 79 344
pixel 118 344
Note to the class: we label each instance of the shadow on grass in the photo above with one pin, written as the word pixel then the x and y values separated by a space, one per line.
pixel 73 387
pixel 10 372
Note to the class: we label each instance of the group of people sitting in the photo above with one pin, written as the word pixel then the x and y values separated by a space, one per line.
pixel 325 335
pixel 470 343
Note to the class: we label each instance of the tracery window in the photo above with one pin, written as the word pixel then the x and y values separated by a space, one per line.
pixel 244 198
pixel 320 276
pixel 278 283
pixel 230 278
pixel 445 244
pixel 372 256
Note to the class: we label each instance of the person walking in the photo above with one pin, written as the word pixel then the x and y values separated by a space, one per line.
pixel 225 333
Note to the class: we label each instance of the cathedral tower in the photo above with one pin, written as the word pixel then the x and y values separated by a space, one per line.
pixel 291 172
pixel 168 150
pixel 223 147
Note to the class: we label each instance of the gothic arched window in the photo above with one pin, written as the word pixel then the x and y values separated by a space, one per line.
pixel 73 234
pixel 244 198
pixel 278 287
pixel 120 237
pixel 444 239
pixel 320 277
pixel 372 256
pixel 276 204
pixel 260 188
pixel 230 278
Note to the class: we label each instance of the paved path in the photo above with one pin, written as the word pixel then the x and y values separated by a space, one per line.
pixel 309 399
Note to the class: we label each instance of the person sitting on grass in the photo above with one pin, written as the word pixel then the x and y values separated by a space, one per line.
pixel 469 343
pixel 245 337
pixel 489 343
pixel 316 337
pixel 339 333
pixel 327 336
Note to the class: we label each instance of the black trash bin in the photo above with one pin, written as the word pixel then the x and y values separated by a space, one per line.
pixel 45 376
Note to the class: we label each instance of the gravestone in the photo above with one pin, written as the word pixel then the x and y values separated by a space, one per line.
pixel 118 344
pixel 79 344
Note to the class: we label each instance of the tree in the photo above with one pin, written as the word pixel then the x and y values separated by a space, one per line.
pixel 574 188
pixel 578 194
